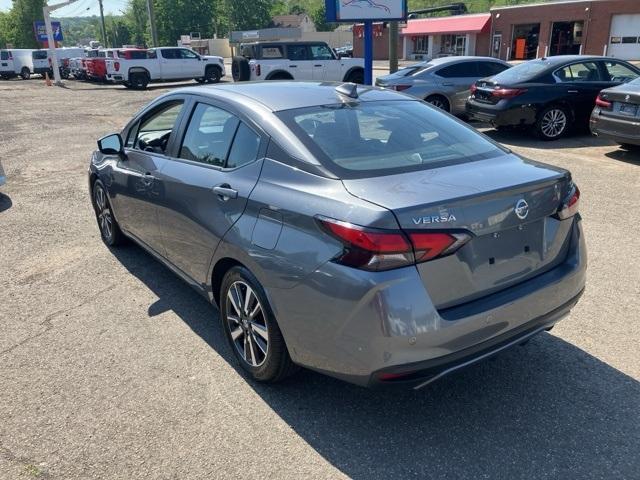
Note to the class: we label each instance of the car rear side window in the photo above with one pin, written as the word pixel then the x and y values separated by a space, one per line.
pixel 579 72
pixel 619 72
pixel 245 147
pixel 489 69
pixel 155 128
pixel 355 140
pixel 39 54
pixel 297 52
pixel 459 70
pixel 4 55
pixel 170 53
pixel 209 135
pixel 272 51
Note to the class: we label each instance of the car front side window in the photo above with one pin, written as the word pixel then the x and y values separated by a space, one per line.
pixel 209 135
pixel 188 54
pixel 155 129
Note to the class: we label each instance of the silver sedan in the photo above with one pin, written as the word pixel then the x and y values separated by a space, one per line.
pixel 443 82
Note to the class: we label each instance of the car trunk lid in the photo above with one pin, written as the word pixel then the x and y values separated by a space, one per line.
pixel 507 204
pixel 625 104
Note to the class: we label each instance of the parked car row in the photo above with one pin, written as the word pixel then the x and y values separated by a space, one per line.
pixel 549 95
pixel 131 67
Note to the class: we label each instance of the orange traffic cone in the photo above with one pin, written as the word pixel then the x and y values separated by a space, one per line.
pixel 47 80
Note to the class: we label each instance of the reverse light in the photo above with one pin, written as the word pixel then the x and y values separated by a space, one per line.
pixel 602 102
pixel 399 88
pixel 508 92
pixel 378 249
pixel 570 207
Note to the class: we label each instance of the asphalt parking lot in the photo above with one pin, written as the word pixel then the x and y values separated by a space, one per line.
pixel 111 367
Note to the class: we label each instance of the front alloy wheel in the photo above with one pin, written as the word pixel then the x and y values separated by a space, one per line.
pixel 109 229
pixel 553 123
pixel 247 325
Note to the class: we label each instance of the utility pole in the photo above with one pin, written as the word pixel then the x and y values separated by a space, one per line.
pixel 152 23
pixel 102 25
pixel 46 10
pixel 393 47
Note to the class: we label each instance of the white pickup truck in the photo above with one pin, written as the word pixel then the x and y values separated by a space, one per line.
pixel 164 64
pixel 294 61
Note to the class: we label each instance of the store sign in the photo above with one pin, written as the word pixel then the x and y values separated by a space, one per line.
pixel 41 31
pixel 362 10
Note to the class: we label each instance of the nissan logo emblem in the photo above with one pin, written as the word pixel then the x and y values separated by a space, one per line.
pixel 522 209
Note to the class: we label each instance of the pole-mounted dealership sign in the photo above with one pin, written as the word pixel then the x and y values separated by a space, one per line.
pixel 41 31
pixel 366 11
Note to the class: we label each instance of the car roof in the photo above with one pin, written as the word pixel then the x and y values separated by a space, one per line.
pixel 462 58
pixel 286 95
pixel 558 59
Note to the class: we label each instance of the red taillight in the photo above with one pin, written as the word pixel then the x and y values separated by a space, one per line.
pixel 376 249
pixel 508 92
pixel 602 102
pixel 399 88
pixel 258 70
pixel 116 65
pixel 570 207
pixel 473 88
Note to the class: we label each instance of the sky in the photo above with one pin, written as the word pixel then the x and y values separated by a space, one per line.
pixel 79 9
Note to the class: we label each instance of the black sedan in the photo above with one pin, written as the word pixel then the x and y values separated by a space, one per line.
pixel 617 114
pixel 549 94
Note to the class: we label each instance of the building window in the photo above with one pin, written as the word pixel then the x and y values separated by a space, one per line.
pixel 566 38
pixel 452 45
pixel 421 44
pixel 525 41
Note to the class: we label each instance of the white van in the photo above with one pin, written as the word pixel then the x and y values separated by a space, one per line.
pixel 16 61
pixel 42 63
pixel 40 60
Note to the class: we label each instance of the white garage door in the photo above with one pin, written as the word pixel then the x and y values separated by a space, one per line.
pixel 624 37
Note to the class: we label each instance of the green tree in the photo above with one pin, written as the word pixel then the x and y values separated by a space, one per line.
pixel 249 14
pixel 180 17
pixel 137 20
pixel 5 27
pixel 23 14
pixel 319 18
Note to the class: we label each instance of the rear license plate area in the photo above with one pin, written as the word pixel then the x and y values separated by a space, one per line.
pixel 628 109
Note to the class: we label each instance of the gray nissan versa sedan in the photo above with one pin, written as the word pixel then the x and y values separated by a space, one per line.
pixel 352 230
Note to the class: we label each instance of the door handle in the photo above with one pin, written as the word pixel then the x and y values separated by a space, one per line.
pixel 293 66
pixel 225 192
pixel 148 179
pixel 318 65
pixel 572 91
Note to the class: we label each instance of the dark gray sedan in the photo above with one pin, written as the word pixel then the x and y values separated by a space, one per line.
pixel 355 231
pixel 443 82
pixel 617 114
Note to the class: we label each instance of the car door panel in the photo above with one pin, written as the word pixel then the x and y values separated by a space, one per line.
pixel 300 63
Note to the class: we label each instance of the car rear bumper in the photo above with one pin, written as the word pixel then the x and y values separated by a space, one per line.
pixel 358 325
pixel 501 114
pixel 618 130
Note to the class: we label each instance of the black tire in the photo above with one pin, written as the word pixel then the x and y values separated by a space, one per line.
pixel 258 346
pixel 553 122
pixel 439 101
pixel 212 74
pixel 139 80
pixel 110 231
pixel 356 77
pixel 240 69
pixel 25 73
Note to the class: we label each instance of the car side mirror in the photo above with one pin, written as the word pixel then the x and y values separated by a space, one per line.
pixel 111 145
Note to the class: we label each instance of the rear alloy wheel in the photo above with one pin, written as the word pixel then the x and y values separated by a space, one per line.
pixel 251 328
pixel 139 81
pixel 439 102
pixel 25 73
pixel 109 229
pixel 552 123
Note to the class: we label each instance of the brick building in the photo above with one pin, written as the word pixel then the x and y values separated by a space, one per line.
pixel 519 32
pixel 592 27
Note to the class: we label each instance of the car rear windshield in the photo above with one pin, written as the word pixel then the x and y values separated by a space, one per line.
pixel 4 55
pixel 39 55
pixel 365 139
pixel 523 72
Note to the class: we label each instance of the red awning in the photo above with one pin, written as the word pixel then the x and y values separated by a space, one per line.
pixel 454 24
